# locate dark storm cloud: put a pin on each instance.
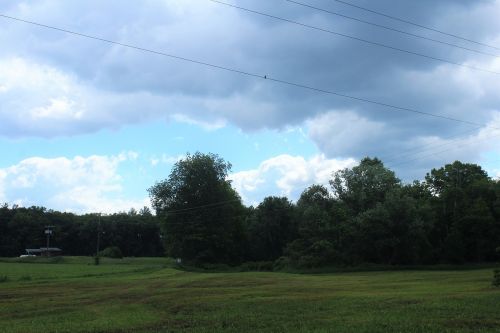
(119, 80)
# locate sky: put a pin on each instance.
(89, 126)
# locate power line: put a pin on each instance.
(391, 29)
(242, 72)
(440, 152)
(394, 48)
(415, 24)
(392, 157)
(210, 205)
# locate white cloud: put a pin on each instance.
(81, 184)
(207, 125)
(64, 85)
(165, 159)
(344, 133)
(57, 109)
(285, 175)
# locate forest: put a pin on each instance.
(365, 215)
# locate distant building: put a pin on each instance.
(44, 251)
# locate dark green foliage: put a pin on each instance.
(282, 263)
(257, 266)
(111, 252)
(270, 228)
(496, 278)
(466, 226)
(318, 219)
(201, 214)
(367, 217)
(135, 234)
(365, 185)
(3, 278)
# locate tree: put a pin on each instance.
(465, 203)
(318, 231)
(271, 228)
(365, 185)
(393, 232)
(199, 210)
(453, 176)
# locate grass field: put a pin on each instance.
(148, 295)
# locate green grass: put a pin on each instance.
(147, 295)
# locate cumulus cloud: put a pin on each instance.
(428, 152)
(344, 133)
(285, 175)
(165, 159)
(80, 184)
(56, 84)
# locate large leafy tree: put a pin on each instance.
(271, 228)
(453, 176)
(200, 211)
(365, 185)
(318, 229)
(393, 232)
(465, 205)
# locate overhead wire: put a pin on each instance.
(366, 41)
(298, 85)
(432, 145)
(441, 151)
(392, 17)
(391, 28)
(249, 74)
(210, 205)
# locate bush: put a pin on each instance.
(306, 254)
(214, 267)
(281, 263)
(3, 278)
(111, 252)
(257, 266)
(496, 278)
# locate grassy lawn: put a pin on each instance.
(145, 295)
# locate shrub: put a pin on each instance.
(496, 278)
(25, 278)
(257, 266)
(3, 278)
(281, 263)
(214, 267)
(112, 252)
(306, 254)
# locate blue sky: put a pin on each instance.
(87, 126)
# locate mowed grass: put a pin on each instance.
(145, 295)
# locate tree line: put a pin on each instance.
(135, 233)
(365, 215)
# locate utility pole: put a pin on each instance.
(457, 184)
(48, 232)
(98, 240)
